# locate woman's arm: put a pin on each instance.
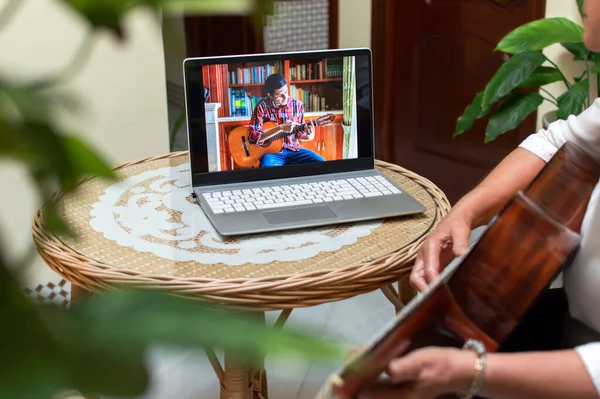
(544, 375)
(434, 371)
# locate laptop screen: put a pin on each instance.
(278, 115)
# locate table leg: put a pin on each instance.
(236, 379)
(406, 290)
(240, 380)
(392, 295)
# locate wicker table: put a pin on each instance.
(147, 230)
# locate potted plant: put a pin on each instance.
(517, 88)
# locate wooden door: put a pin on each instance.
(430, 58)
(333, 142)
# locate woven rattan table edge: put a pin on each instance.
(273, 292)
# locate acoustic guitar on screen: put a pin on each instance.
(245, 154)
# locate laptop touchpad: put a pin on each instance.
(299, 214)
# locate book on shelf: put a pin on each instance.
(313, 102)
(240, 103)
(329, 68)
(254, 74)
(243, 104)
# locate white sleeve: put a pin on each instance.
(590, 355)
(582, 130)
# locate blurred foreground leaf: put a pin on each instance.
(130, 316)
(110, 13)
(99, 345)
(55, 160)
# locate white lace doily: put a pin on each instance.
(153, 212)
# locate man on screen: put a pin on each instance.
(287, 112)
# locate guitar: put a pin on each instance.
(483, 294)
(245, 154)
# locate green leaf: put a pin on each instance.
(53, 220)
(580, 52)
(31, 365)
(107, 13)
(472, 112)
(540, 77)
(595, 68)
(128, 316)
(19, 105)
(208, 7)
(511, 113)
(85, 160)
(539, 34)
(510, 75)
(111, 13)
(573, 100)
(98, 345)
(580, 7)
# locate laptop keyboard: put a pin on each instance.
(281, 196)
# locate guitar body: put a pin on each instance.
(484, 294)
(245, 154)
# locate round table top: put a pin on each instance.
(146, 230)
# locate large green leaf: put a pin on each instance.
(595, 68)
(580, 52)
(111, 13)
(85, 160)
(472, 112)
(511, 113)
(207, 7)
(510, 75)
(143, 316)
(20, 105)
(539, 34)
(573, 100)
(31, 365)
(540, 77)
(98, 346)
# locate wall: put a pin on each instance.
(564, 59)
(354, 23)
(121, 91)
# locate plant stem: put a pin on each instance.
(587, 71)
(176, 126)
(8, 11)
(79, 59)
(548, 93)
(559, 71)
(549, 100)
(598, 85)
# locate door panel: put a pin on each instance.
(333, 142)
(315, 143)
(430, 58)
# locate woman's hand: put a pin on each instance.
(425, 373)
(449, 239)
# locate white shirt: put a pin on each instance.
(581, 280)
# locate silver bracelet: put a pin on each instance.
(479, 348)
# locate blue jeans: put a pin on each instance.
(288, 157)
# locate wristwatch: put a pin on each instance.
(479, 348)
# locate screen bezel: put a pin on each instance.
(197, 143)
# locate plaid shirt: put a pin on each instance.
(265, 111)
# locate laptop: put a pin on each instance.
(283, 141)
